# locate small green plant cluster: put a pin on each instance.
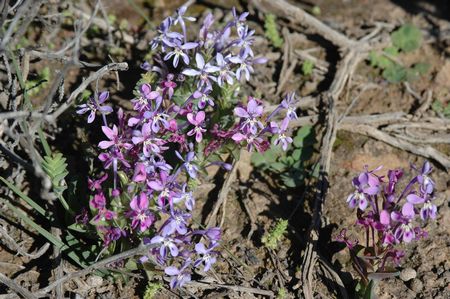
(270, 25)
(40, 81)
(307, 67)
(152, 290)
(440, 108)
(290, 166)
(271, 238)
(406, 39)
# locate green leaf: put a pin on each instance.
(307, 67)
(302, 133)
(395, 74)
(27, 199)
(278, 166)
(407, 38)
(296, 154)
(370, 290)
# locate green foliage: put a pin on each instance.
(270, 26)
(39, 82)
(271, 238)
(56, 168)
(407, 38)
(290, 166)
(152, 290)
(307, 67)
(282, 293)
(440, 108)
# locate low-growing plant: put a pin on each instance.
(289, 164)
(271, 28)
(307, 67)
(187, 115)
(390, 219)
(440, 108)
(274, 235)
(405, 39)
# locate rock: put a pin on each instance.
(94, 281)
(416, 285)
(408, 274)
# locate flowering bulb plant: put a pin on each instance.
(390, 218)
(186, 116)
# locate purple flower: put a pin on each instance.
(176, 222)
(359, 199)
(249, 116)
(97, 184)
(180, 276)
(114, 139)
(225, 75)
(157, 120)
(150, 144)
(239, 20)
(282, 138)
(197, 121)
(185, 196)
(289, 103)
(245, 64)
(190, 168)
(180, 19)
(245, 39)
(204, 98)
(112, 234)
(203, 71)
(207, 255)
(404, 232)
(140, 213)
(98, 202)
(429, 210)
(165, 37)
(427, 184)
(94, 106)
(179, 51)
(166, 243)
(113, 158)
(252, 141)
(146, 92)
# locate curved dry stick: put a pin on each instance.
(16, 287)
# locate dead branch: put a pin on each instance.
(14, 286)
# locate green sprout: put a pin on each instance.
(270, 25)
(271, 238)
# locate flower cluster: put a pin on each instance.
(389, 216)
(182, 122)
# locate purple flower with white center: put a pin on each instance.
(180, 19)
(253, 141)
(94, 106)
(140, 214)
(197, 121)
(249, 116)
(225, 75)
(150, 144)
(190, 168)
(289, 103)
(114, 139)
(185, 196)
(152, 165)
(245, 40)
(165, 37)
(357, 198)
(428, 210)
(97, 184)
(405, 232)
(157, 120)
(142, 102)
(239, 20)
(162, 185)
(180, 276)
(282, 138)
(204, 98)
(168, 86)
(179, 51)
(427, 184)
(113, 158)
(203, 71)
(176, 222)
(246, 63)
(166, 243)
(207, 255)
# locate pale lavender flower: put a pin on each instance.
(427, 184)
(93, 106)
(203, 71)
(114, 139)
(207, 255)
(165, 37)
(185, 196)
(225, 75)
(288, 103)
(180, 17)
(151, 144)
(179, 51)
(142, 103)
(176, 222)
(249, 116)
(190, 168)
(245, 39)
(429, 210)
(246, 63)
(204, 97)
(282, 138)
(180, 276)
(166, 243)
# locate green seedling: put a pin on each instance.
(274, 236)
(271, 28)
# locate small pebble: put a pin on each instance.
(94, 281)
(408, 274)
(416, 285)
